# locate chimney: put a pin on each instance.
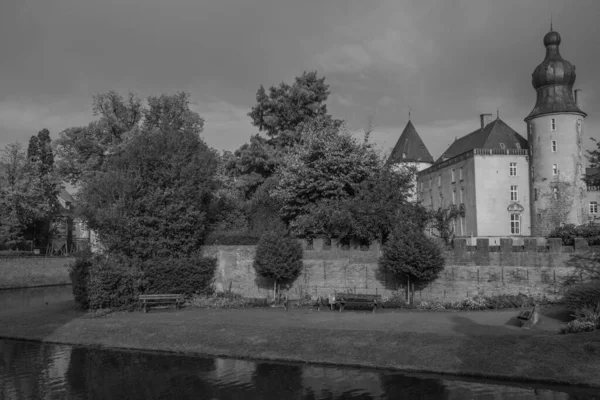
(578, 98)
(485, 119)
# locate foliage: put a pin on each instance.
(442, 222)
(186, 276)
(225, 300)
(593, 157)
(278, 257)
(39, 152)
(578, 326)
(380, 203)
(589, 314)
(151, 198)
(286, 107)
(229, 238)
(84, 150)
(325, 166)
(568, 233)
(582, 295)
(113, 284)
(79, 272)
(411, 254)
(557, 197)
(23, 193)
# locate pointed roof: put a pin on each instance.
(495, 135)
(409, 148)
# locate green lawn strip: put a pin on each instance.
(544, 357)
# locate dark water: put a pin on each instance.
(30, 370)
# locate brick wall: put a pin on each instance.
(530, 269)
(20, 272)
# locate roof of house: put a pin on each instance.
(409, 148)
(495, 135)
(65, 196)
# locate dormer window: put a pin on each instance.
(518, 146)
(552, 124)
(502, 146)
(403, 155)
(68, 205)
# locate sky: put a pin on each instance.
(446, 60)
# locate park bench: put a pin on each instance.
(342, 300)
(160, 299)
(528, 318)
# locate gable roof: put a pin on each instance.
(409, 148)
(491, 136)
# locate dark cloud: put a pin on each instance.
(448, 60)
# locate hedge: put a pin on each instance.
(231, 239)
(186, 276)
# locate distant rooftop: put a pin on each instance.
(409, 148)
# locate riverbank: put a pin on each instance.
(478, 344)
(34, 271)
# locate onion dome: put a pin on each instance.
(553, 80)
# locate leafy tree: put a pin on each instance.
(286, 107)
(23, 199)
(39, 152)
(151, 198)
(83, 150)
(279, 258)
(411, 254)
(593, 157)
(326, 165)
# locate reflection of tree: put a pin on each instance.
(105, 374)
(399, 386)
(277, 381)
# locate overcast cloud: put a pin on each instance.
(448, 60)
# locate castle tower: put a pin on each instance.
(554, 132)
(410, 151)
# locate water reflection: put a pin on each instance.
(31, 370)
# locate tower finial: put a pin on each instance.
(551, 22)
(409, 113)
(497, 113)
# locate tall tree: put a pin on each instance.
(286, 107)
(151, 198)
(22, 196)
(39, 152)
(171, 113)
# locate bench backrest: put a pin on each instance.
(357, 296)
(160, 296)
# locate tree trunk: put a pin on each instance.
(412, 294)
(408, 289)
(275, 290)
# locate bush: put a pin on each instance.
(578, 326)
(231, 239)
(278, 257)
(589, 314)
(186, 276)
(582, 295)
(225, 301)
(569, 232)
(114, 285)
(79, 272)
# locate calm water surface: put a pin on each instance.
(30, 370)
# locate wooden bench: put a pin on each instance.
(528, 318)
(160, 299)
(342, 300)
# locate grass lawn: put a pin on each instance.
(485, 344)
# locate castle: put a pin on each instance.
(496, 183)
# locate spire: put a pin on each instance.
(551, 22)
(497, 113)
(409, 113)
(410, 148)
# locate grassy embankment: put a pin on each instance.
(21, 272)
(480, 344)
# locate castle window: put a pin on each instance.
(535, 194)
(554, 169)
(553, 124)
(515, 224)
(554, 146)
(579, 126)
(454, 196)
(593, 207)
(462, 195)
(514, 193)
(453, 176)
(439, 180)
(555, 193)
(502, 146)
(513, 169)
(460, 173)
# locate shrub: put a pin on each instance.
(411, 254)
(225, 300)
(435, 305)
(475, 303)
(589, 314)
(578, 326)
(79, 271)
(582, 295)
(567, 233)
(278, 257)
(231, 239)
(186, 276)
(114, 284)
